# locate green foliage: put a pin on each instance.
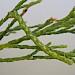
(51, 26)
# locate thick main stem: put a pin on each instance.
(15, 15)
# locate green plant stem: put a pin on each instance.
(28, 5)
(60, 32)
(3, 19)
(16, 41)
(6, 17)
(4, 33)
(28, 57)
(17, 46)
(73, 51)
(65, 25)
(70, 15)
(48, 30)
(24, 58)
(67, 54)
(11, 24)
(38, 27)
(48, 33)
(31, 57)
(15, 15)
(8, 45)
(68, 21)
(55, 26)
(48, 22)
(7, 29)
(61, 23)
(20, 3)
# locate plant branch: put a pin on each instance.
(15, 15)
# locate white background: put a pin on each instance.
(36, 15)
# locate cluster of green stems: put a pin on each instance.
(51, 26)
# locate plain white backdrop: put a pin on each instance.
(36, 15)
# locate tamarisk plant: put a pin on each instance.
(49, 27)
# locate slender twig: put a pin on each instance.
(20, 3)
(8, 45)
(15, 15)
(65, 25)
(24, 58)
(47, 30)
(38, 27)
(11, 24)
(28, 57)
(6, 17)
(67, 54)
(28, 5)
